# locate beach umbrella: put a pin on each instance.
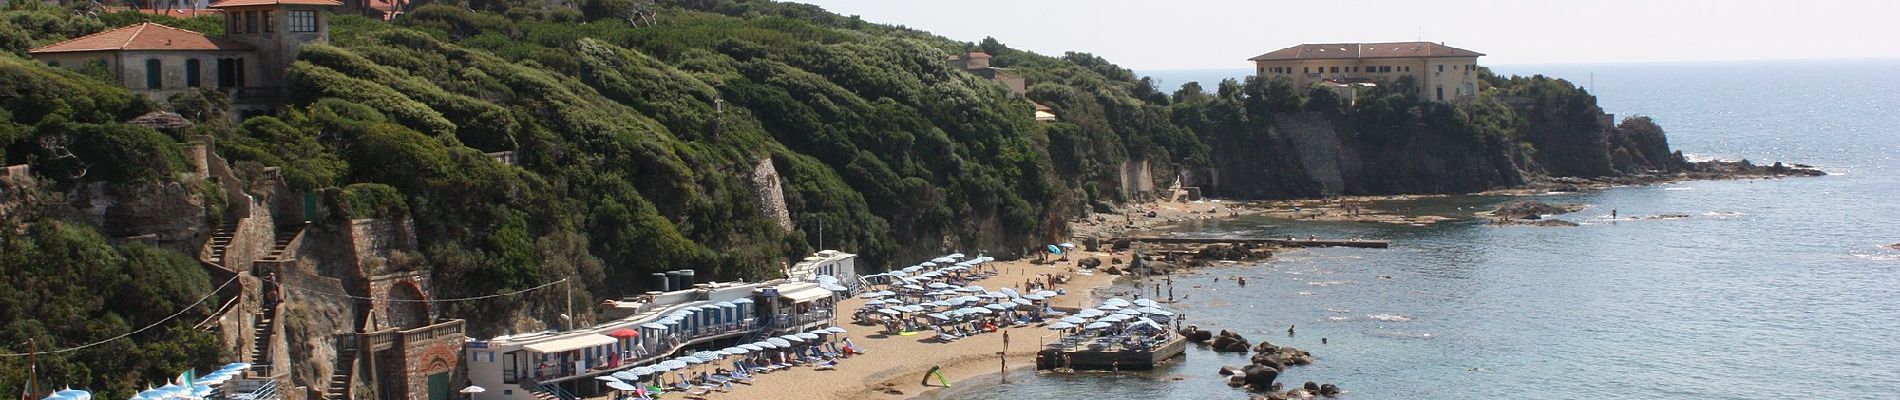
(997, 307)
(1164, 313)
(1033, 296)
(835, 330)
(1074, 319)
(627, 376)
(654, 325)
(968, 298)
(1089, 313)
(472, 389)
(673, 364)
(1047, 293)
(1129, 312)
(1109, 307)
(980, 310)
(624, 333)
(1022, 301)
(927, 264)
(871, 295)
(751, 347)
(608, 378)
(709, 356)
(890, 312)
(1147, 303)
(1117, 302)
(621, 386)
(1061, 325)
(886, 293)
(1149, 310)
(238, 366)
(642, 371)
(1115, 318)
(765, 344)
(808, 336)
(1054, 250)
(833, 287)
(913, 308)
(995, 295)
(943, 260)
(690, 360)
(973, 288)
(913, 268)
(938, 285)
(780, 342)
(939, 315)
(1097, 325)
(1010, 291)
(913, 287)
(791, 338)
(898, 273)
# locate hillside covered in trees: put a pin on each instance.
(636, 143)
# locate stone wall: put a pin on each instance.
(374, 241)
(403, 313)
(1137, 178)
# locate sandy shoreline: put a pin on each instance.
(899, 362)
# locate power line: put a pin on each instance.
(450, 300)
(175, 315)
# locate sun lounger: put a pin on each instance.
(827, 366)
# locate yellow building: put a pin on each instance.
(1441, 73)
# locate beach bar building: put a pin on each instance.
(654, 327)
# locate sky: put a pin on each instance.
(1200, 34)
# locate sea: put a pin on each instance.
(1774, 288)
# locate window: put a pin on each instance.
(153, 76)
(227, 72)
(1441, 67)
(1306, 69)
(250, 22)
(269, 23)
(191, 72)
(1441, 90)
(303, 21)
(1335, 70)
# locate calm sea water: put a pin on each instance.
(1770, 288)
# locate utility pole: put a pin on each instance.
(570, 304)
(33, 369)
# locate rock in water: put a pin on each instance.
(1895, 246)
(1230, 342)
(1329, 390)
(1532, 209)
(1260, 377)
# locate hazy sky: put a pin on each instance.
(1196, 34)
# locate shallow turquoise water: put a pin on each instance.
(1770, 288)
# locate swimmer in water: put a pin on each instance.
(1289, 330)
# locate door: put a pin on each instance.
(439, 386)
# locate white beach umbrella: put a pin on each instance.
(1047, 293)
(1023, 301)
(1147, 303)
(834, 329)
(751, 347)
(1117, 302)
(1074, 319)
(780, 342)
(1089, 313)
(808, 336)
(472, 389)
(1109, 307)
(1061, 325)
(1097, 325)
(627, 375)
(607, 378)
(621, 386)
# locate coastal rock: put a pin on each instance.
(1297, 394)
(1532, 209)
(1122, 244)
(1329, 390)
(1090, 262)
(1196, 335)
(1260, 377)
(1229, 342)
(1113, 271)
(1310, 386)
(1229, 370)
(1895, 246)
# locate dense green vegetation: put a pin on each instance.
(637, 143)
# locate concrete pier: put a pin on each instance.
(1295, 242)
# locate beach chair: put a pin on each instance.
(827, 366)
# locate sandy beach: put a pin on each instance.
(897, 363)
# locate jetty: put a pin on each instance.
(1288, 242)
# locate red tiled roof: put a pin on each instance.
(241, 3)
(143, 36)
(1365, 50)
(979, 54)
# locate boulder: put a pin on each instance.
(1229, 370)
(1260, 377)
(1230, 342)
(1196, 335)
(1310, 386)
(1329, 390)
(1297, 394)
(1113, 271)
(1532, 209)
(1122, 244)
(1090, 262)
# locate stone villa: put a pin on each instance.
(1442, 73)
(247, 63)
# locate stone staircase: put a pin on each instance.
(339, 388)
(260, 347)
(220, 242)
(278, 250)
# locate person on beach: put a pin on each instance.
(1289, 330)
